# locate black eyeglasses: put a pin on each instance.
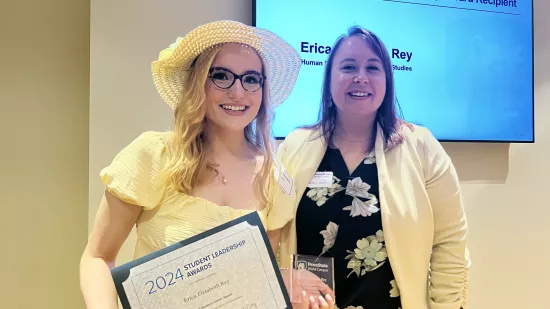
(224, 79)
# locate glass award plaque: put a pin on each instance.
(313, 274)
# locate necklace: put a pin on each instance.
(222, 176)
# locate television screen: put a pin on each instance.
(463, 68)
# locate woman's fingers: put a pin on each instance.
(326, 290)
(313, 303)
(305, 300)
(330, 302)
(320, 303)
(311, 283)
(308, 302)
(325, 302)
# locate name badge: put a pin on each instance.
(285, 181)
(321, 180)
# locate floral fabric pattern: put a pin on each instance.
(329, 236)
(321, 195)
(359, 189)
(369, 254)
(343, 220)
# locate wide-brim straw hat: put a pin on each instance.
(282, 61)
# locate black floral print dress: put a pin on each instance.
(344, 222)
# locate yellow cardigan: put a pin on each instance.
(425, 226)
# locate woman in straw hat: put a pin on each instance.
(216, 164)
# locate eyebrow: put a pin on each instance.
(252, 72)
(245, 72)
(353, 60)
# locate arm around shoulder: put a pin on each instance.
(450, 261)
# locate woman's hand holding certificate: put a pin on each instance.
(231, 266)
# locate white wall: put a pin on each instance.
(505, 190)
(503, 185)
(44, 100)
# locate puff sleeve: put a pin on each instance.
(136, 174)
(281, 207)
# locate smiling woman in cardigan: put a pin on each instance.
(377, 194)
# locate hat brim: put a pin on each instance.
(282, 61)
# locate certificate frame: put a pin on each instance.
(121, 274)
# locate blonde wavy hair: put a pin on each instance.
(188, 164)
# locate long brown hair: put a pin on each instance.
(387, 116)
(188, 162)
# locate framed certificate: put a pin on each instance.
(230, 266)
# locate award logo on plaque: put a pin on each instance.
(322, 267)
